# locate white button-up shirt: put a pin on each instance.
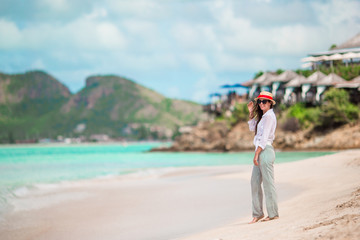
(266, 129)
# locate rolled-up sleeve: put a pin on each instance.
(268, 124)
(252, 124)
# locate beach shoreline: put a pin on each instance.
(193, 197)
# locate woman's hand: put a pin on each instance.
(256, 157)
(256, 160)
(250, 106)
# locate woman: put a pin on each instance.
(263, 122)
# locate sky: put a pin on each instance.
(180, 48)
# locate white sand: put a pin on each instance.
(327, 208)
(185, 203)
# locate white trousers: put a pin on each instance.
(264, 173)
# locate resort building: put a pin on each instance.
(330, 80)
(308, 86)
(290, 87)
(348, 53)
(353, 87)
(259, 84)
(278, 84)
(293, 90)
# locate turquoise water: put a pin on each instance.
(26, 166)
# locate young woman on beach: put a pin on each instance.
(262, 120)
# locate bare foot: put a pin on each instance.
(269, 219)
(256, 219)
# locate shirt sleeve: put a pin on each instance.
(268, 124)
(252, 124)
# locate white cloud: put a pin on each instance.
(197, 37)
(10, 35)
(239, 35)
(231, 62)
(139, 9)
(108, 36)
(341, 19)
(83, 33)
(97, 13)
(204, 87)
(57, 5)
(146, 62)
(146, 34)
(38, 64)
(197, 61)
(177, 40)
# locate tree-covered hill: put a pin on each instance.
(35, 105)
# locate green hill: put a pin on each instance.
(35, 105)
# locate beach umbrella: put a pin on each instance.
(238, 85)
(215, 95)
(349, 55)
(336, 56)
(309, 59)
(357, 55)
(306, 65)
(323, 58)
(226, 86)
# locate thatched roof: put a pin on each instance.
(353, 42)
(314, 78)
(286, 76)
(355, 83)
(296, 82)
(331, 80)
(266, 77)
(351, 45)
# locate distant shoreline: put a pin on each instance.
(82, 143)
(167, 149)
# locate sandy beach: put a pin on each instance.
(328, 207)
(319, 198)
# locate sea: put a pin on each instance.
(24, 168)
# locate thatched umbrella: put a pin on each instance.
(267, 76)
(306, 65)
(281, 79)
(351, 55)
(331, 80)
(309, 59)
(314, 78)
(336, 56)
(286, 76)
(323, 58)
(296, 82)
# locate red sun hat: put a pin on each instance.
(266, 95)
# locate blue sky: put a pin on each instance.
(182, 49)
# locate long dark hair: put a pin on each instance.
(258, 113)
